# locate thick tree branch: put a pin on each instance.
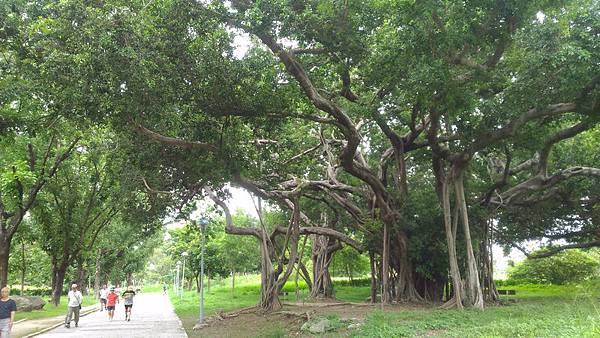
(486, 139)
(554, 250)
(172, 141)
(325, 232)
(561, 135)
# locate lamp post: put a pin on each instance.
(203, 222)
(183, 254)
(177, 278)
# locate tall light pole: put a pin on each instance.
(203, 222)
(183, 254)
(177, 278)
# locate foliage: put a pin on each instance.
(349, 263)
(565, 267)
(222, 253)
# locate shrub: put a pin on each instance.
(565, 267)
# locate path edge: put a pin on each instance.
(44, 330)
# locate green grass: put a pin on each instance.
(538, 311)
(355, 294)
(247, 293)
(50, 310)
(219, 298)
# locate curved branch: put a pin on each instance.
(559, 136)
(486, 139)
(324, 232)
(540, 183)
(171, 141)
(554, 250)
(230, 228)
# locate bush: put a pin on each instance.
(354, 282)
(565, 267)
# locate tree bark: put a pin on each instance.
(385, 265)
(4, 253)
(473, 287)
(457, 286)
(97, 274)
(58, 279)
(487, 274)
(406, 290)
(81, 276)
(373, 276)
(323, 250)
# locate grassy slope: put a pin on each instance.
(50, 310)
(539, 311)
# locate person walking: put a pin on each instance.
(111, 300)
(164, 289)
(8, 307)
(128, 301)
(74, 300)
(103, 294)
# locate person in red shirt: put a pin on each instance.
(111, 299)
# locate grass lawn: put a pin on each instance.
(50, 310)
(536, 311)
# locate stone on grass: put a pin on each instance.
(37, 303)
(317, 325)
(353, 326)
(23, 304)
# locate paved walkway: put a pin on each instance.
(152, 316)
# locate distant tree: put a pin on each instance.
(567, 266)
(350, 263)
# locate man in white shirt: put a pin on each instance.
(74, 300)
(103, 294)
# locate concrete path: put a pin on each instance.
(152, 316)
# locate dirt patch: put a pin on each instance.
(287, 322)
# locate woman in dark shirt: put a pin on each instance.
(8, 307)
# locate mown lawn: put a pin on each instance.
(50, 310)
(536, 311)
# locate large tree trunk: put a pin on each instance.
(373, 276)
(81, 275)
(58, 279)
(269, 293)
(473, 287)
(457, 285)
(130, 278)
(323, 250)
(385, 266)
(4, 251)
(406, 290)
(487, 259)
(97, 274)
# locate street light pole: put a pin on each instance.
(183, 254)
(177, 278)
